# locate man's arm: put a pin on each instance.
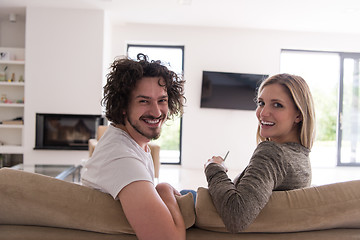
(152, 216)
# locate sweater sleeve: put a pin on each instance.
(238, 205)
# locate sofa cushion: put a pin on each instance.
(34, 199)
(315, 208)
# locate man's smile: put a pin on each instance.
(153, 122)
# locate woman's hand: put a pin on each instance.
(218, 160)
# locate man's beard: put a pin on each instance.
(151, 136)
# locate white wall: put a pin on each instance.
(12, 33)
(63, 72)
(208, 132)
(65, 64)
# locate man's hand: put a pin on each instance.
(164, 189)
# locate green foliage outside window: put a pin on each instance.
(170, 135)
(326, 115)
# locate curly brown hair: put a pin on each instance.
(123, 76)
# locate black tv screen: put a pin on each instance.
(229, 90)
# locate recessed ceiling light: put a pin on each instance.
(12, 17)
(351, 10)
(184, 2)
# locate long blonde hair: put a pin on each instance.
(300, 93)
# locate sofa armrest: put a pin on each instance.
(155, 153)
(92, 145)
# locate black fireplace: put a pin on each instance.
(65, 131)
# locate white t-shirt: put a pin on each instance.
(116, 162)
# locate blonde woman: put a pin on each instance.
(285, 135)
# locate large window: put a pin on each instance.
(173, 58)
(333, 78)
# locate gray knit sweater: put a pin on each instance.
(273, 166)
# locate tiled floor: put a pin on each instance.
(322, 157)
(184, 178)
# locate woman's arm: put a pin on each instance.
(239, 205)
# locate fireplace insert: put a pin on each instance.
(65, 131)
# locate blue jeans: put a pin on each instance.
(185, 191)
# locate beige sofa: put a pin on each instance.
(34, 206)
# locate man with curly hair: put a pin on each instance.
(139, 97)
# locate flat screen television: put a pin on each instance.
(226, 90)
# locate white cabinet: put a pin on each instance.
(12, 102)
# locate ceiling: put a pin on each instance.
(335, 16)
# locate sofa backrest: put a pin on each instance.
(38, 200)
(34, 199)
(314, 208)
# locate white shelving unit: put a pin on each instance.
(8, 149)
(11, 126)
(11, 83)
(13, 62)
(12, 102)
(11, 105)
